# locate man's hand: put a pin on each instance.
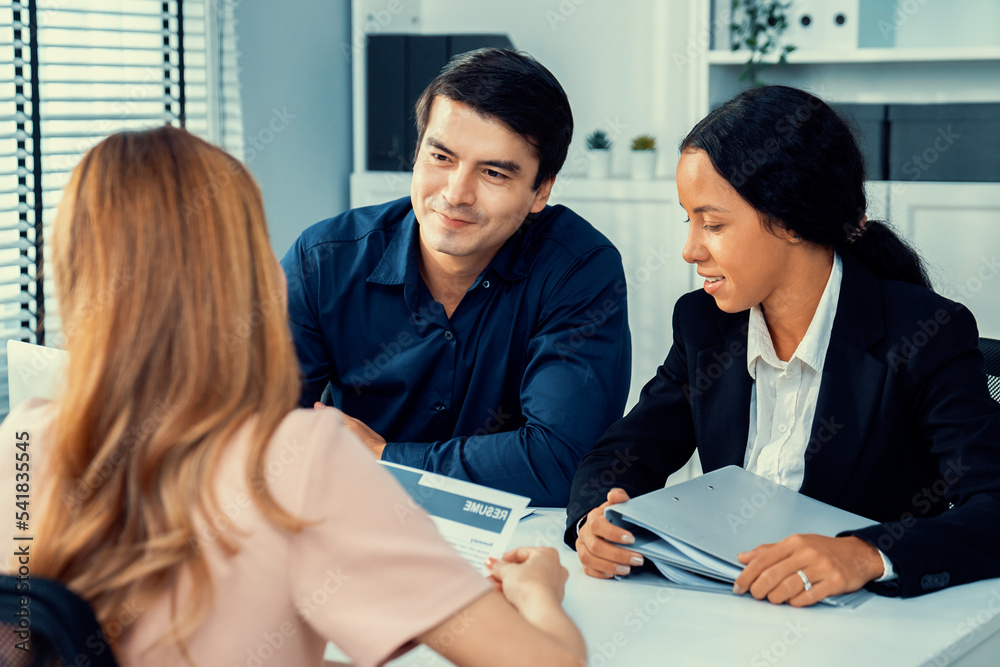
(599, 540)
(833, 565)
(369, 438)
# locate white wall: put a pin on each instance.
(612, 58)
(296, 88)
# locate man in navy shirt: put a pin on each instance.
(470, 329)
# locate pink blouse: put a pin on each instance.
(369, 575)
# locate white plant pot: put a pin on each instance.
(599, 165)
(643, 165)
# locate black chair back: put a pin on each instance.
(44, 624)
(991, 353)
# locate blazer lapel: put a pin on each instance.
(849, 391)
(723, 413)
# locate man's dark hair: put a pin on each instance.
(514, 89)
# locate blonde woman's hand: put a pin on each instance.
(530, 577)
(529, 627)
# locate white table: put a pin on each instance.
(630, 624)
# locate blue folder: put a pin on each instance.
(692, 531)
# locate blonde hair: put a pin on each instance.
(174, 311)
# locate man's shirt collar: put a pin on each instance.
(400, 258)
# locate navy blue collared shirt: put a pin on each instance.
(510, 391)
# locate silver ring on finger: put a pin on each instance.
(805, 579)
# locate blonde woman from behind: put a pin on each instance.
(176, 488)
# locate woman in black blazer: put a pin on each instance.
(887, 413)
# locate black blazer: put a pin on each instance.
(904, 427)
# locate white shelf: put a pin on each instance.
(569, 187)
(866, 56)
(372, 187)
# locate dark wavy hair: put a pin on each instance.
(514, 89)
(792, 158)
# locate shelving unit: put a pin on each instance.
(984, 54)
(956, 226)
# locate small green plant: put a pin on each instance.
(644, 142)
(758, 28)
(598, 141)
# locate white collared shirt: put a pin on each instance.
(784, 393)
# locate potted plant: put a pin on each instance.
(598, 154)
(643, 157)
(757, 26)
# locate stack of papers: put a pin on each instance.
(693, 531)
(477, 521)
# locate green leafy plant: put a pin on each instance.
(598, 141)
(757, 26)
(644, 142)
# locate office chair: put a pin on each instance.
(63, 628)
(991, 353)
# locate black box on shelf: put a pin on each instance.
(944, 142)
(399, 67)
(869, 124)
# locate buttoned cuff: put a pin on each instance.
(890, 573)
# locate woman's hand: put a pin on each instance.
(833, 565)
(527, 576)
(597, 544)
(528, 628)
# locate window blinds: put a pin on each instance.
(72, 72)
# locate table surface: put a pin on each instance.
(627, 623)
